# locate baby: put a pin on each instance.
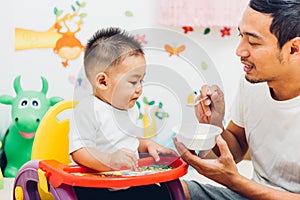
(102, 127)
(101, 134)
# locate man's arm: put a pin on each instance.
(223, 170)
(236, 141)
(254, 190)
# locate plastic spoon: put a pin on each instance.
(197, 102)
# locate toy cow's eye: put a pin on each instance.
(35, 103)
(23, 103)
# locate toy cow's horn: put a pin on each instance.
(17, 85)
(45, 86)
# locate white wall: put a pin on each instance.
(38, 15)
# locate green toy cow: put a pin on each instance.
(27, 111)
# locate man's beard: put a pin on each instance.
(253, 81)
(260, 80)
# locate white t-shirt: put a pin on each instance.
(273, 134)
(98, 125)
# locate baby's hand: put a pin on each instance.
(154, 149)
(123, 158)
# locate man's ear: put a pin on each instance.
(101, 80)
(294, 50)
(295, 46)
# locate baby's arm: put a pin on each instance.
(154, 149)
(101, 161)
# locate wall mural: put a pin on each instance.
(224, 31)
(60, 36)
(149, 115)
(176, 65)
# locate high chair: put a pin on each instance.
(49, 175)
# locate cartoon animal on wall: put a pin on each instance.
(60, 36)
(68, 46)
(27, 111)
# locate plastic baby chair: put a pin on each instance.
(49, 174)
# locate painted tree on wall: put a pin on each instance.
(60, 37)
(150, 114)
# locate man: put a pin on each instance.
(266, 113)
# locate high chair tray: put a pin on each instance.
(76, 175)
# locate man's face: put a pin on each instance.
(126, 82)
(258, 48)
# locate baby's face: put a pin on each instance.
(125, 85)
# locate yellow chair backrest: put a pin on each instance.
(51, 140)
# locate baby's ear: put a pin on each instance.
(101, 80)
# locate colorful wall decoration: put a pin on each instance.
(49, 38)
(190, 14)
(60, 37)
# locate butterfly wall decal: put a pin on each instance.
(174, 50)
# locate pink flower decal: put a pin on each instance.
(141, 39)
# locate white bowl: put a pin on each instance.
(197, 136)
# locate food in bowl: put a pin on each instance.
(197, 136)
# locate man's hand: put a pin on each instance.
(222, 170)
(211, 110)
